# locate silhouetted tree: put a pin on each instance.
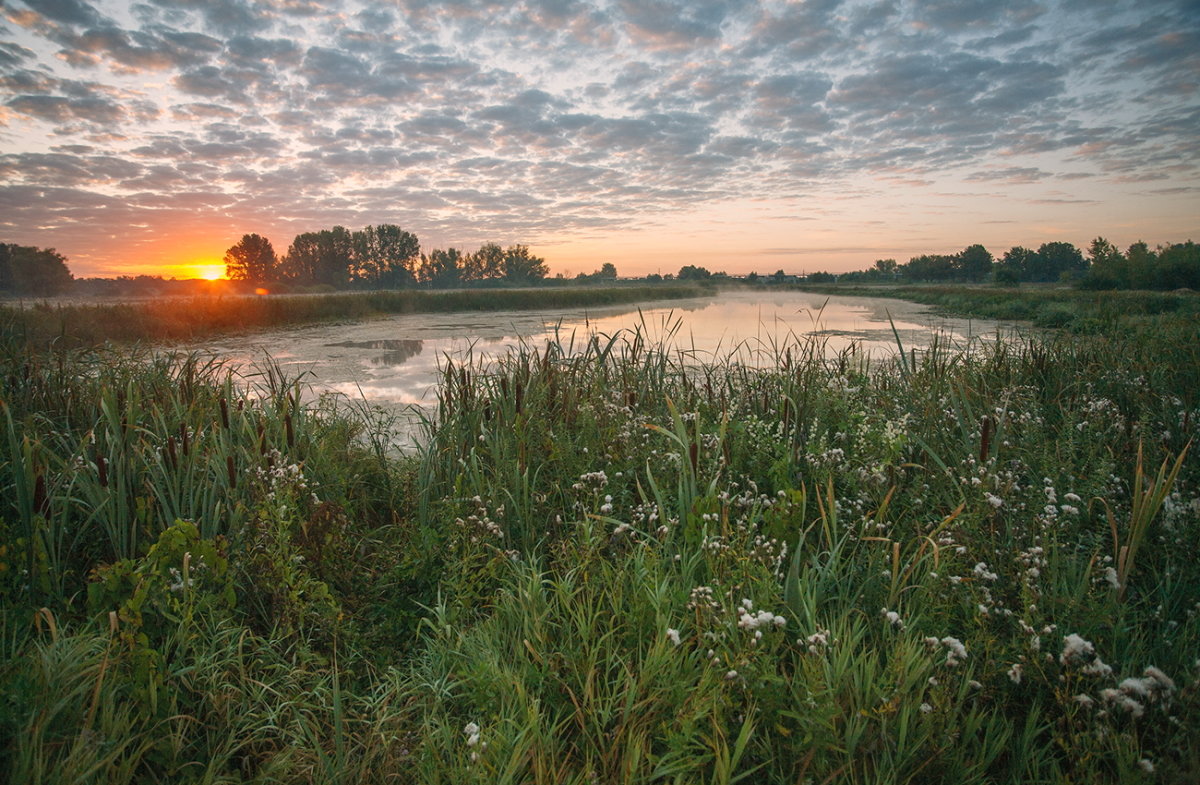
(520, 266)
(1016, 265)
(320, 257)
(885, 268)
(384, 256)
(1106, 267)
(1057, 261)
(251, 259)
(693, 273)
(486, 264)
(26, 270)
(929, 267)
(1140, 261)
(973, 263)
(1178, 266)
(442, 269)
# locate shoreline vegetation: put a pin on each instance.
(1047, 306)
(957, 565)
(189, 318)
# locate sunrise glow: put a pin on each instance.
(750, 136)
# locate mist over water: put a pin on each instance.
(394, 362)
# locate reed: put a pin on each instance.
(609, 561)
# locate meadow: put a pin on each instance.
(972, 563)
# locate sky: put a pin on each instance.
(148, 137)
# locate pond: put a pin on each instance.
(394, 362)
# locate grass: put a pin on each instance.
(1085, 312)
(187, 318)
(609, 564)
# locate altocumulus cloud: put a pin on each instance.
(532, 121)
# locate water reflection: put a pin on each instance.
(362, 361)
(395, 351)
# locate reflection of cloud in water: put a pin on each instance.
(396, 351)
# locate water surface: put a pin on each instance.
(393, 362)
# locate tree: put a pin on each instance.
(1178, 266)
(1141, 262)
(886, 268)
(607, 270)
(384, 256)
(1058, 261)
(26, 270)
(1106, 267)
(520, 266)
(442, 269)
(1016, 265)
(320, 257)
(693, 273)
(486, 264)
(929, 267)
(973, 263)
(252, 259)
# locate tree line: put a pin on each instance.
(29, 271)
(1102, 266)
(377, 257)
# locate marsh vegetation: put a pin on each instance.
(959, 564)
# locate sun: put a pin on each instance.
(209, 272)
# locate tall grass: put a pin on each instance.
(611, 562)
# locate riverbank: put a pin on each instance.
(191, 318)
(1059, 307)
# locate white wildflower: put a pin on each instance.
(1076, 648)
(957, 651)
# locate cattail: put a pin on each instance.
(985, 438)
(231, 471)
(172, 461)
(102, 470)
(694, 456)
(183, 438)
(290, 433)
(224, 414)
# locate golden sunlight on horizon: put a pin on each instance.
(201, 268)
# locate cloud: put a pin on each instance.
(72, 12)
(539, 118)
(58, 109)
(1010, 174)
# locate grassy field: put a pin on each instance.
(189, 318)
(975, 565)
